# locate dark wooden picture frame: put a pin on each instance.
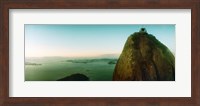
(5, 5)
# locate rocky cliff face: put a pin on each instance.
(144, 58)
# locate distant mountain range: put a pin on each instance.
(62, 57)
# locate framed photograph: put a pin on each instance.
(100, 52)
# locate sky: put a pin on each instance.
(87, 40)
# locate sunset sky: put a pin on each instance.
(87, 40)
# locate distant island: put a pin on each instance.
(112, 62)
(35, 64)
(85, 61)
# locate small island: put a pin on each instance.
(112, 62)
(34, 64)
(85, 61)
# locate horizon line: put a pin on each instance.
(74, 56)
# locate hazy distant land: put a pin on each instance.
(85, 61)
(98, 68)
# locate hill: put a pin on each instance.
(144, 58)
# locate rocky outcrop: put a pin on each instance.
(75, 77)
(144, 58)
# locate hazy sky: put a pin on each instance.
(87, 40)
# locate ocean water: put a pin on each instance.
(52, 69)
